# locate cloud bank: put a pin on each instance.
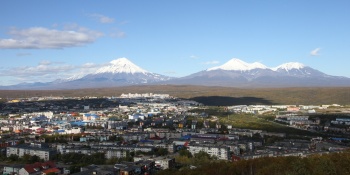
(44, 38)
(45, 71)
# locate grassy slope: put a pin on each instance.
(335, 163)
(313, 96)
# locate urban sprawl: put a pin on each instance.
(145, 133)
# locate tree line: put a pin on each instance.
(327, 164)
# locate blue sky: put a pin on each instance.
(45, 40)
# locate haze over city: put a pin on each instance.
(43, 41)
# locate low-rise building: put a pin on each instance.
(12, 169)
(221, 152)
(39, 168)
(38, 149)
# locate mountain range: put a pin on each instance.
(234, 73)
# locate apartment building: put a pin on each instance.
(220, 152)
(39, 149)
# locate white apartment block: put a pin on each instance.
(115, 154)
(221, 153)
(33, 149)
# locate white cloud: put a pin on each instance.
(194, 57)
(81, 71)
(43, 38)
(45, 71)
(88, 65)
(211, 62)
(45, 62)
(42, 69)
(102, 19)
(118, 34)
(315, 52)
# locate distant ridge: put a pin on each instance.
(119, 72)
(234, 73)
(237, 73)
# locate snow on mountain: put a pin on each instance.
(75, 77)
(121, 72)
(289, 66)
(235, 73)
(71, 78)
(121, 65)
(238, 65)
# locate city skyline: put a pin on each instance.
(45, 41)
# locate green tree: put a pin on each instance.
(185, 152)
(26, 158)
(299, 166)
(34, 159)
(161, 151)
(21, 142)
(52, 173)
(74, 169)
(13, 158)
(201, 157)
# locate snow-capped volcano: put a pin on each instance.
(289, 66)
(121, 65)
(259, 69)
(118, 72)
(121, 72)
(238, 65)
(238, 73)
(295, 69)
(234, 73)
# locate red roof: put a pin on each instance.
(155, 138)
(51, 170)
(186, 144)
(38, 166)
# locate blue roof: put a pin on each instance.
(78, 123)
(338, 139)
(60, 130)
(91, 115)
(145, 141)
(186, 137)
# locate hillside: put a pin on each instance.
(209, 95)
(334, 163)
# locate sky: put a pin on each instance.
(41, 41)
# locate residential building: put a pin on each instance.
(39, 168)
(12, 169)
(220, 152)
(39, 149)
